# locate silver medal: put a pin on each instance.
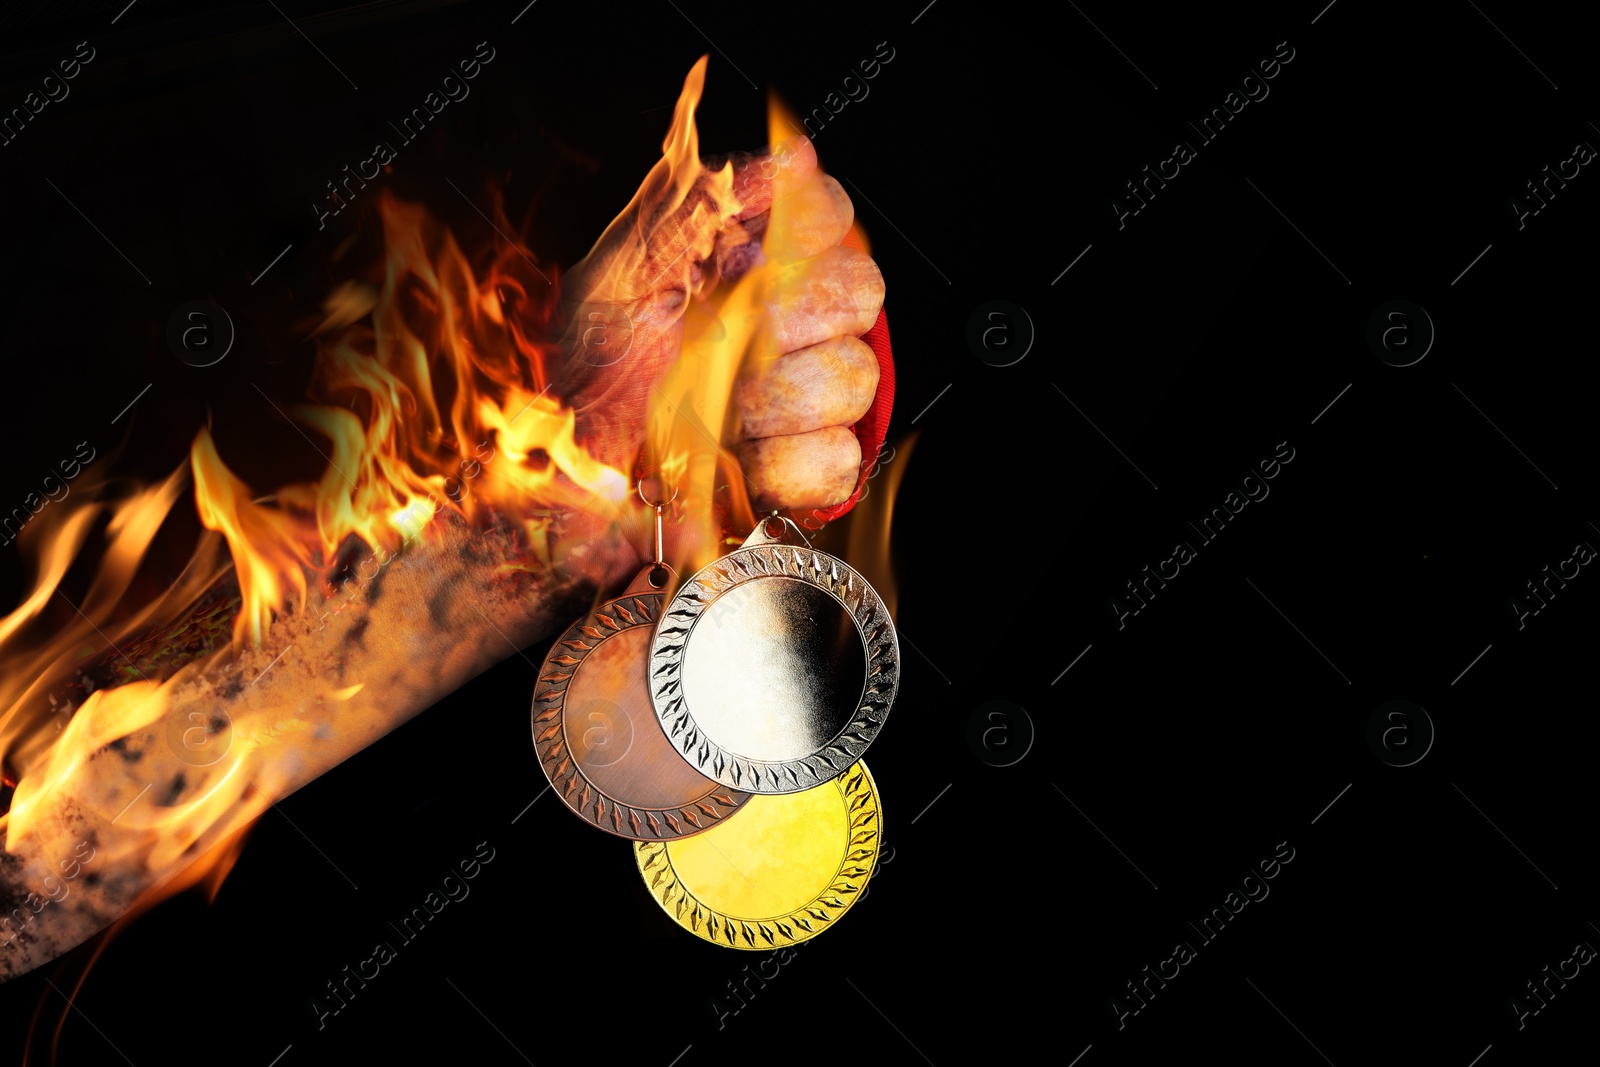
(774, 668)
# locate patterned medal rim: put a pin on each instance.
(575, 788)
(753, 563)
(849, 882)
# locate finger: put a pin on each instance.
(835, 294)
(807, 223)
(739, 248)
(651, 248)
(806, 470)
(826, 384)
(659, 245)
(762, 178)
(678, 246)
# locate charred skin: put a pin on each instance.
(444, 610)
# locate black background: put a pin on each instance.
(1175, 752)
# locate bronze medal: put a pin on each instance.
(781, 871)
(597, 736)
(775, 667)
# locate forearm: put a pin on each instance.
(327, 682)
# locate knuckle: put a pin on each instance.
(871, 277)
(843, 205)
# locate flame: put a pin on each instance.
(872, 523)
(45, 644)
(268, 555)
(107, 715)
(430, 393)
(689, 409)
(723, 333)
(445, 408)
(643, 228)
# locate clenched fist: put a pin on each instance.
(807, 377)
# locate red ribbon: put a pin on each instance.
(874, 425)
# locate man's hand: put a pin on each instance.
(623, 307)
(811, 377)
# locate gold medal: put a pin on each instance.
(781, 871)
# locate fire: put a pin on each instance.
(721, 332)
(872, 523)
(43, 643)
(444, 405)
(268, 555)
(432, 392)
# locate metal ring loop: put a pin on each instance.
(651, 503)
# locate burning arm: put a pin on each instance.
(147, 781)
(476, 499)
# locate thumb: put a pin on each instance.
(657, 246)
(675, 249)
(622, 302)
(762, 178)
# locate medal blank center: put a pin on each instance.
(777, 855)
(612, 732)
(774, 669)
